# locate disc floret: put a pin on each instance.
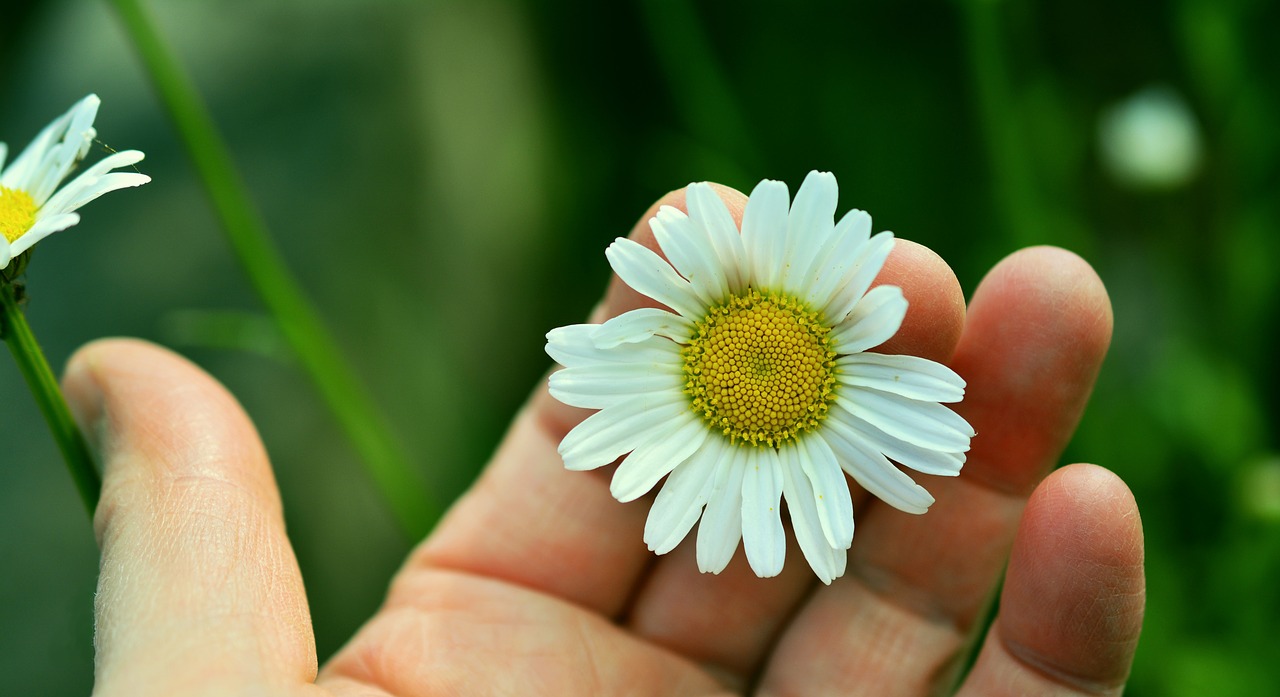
(760, 368)
(17, 213)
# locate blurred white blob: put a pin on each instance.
(1151, 140)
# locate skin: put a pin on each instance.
(537, 581)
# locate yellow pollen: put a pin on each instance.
(760, 368)
(17, 213)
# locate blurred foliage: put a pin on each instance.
(443, 176)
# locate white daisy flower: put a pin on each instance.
(758, 385)
(31, 205)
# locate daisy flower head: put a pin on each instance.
(32, 207)
(756, 384)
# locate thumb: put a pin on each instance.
(199, 591)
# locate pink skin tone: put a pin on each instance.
(537, 581)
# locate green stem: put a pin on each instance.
(279, 291)
(44, 386)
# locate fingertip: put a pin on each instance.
(1087, 508)
(1059, 279)
(111, 382)
(935, 311)
(151, 415)
(1088, 292)
(85, 364)
(1081, 490)
(1037, 330)
(1074, 597)
(83, 378)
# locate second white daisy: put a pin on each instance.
(32, 207)
(758, 385)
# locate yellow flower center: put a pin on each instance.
(17, 213)
(760, 368)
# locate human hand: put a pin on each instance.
(537, 581)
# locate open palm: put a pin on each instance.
(537, 581)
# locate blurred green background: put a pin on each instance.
(444, 176)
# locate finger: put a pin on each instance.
(1072, 605)
(530, 522)
(1037, 330)
(1036, 335)
(1031, 357)
(197, 574)
(685, 611)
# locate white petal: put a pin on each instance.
(611, 433)
(855, 225)
(842, 251)
(873, 472)
(43, 227)
(603, 385)
(927, 424)
(104, 185)
(20, 174)
(920, 459)
(859, 276)
(830, 490)
(908, 376)
(31, 166)
(654, 459)
(97, 181)
(809, 225)
(116, 160)
(640, 324)
(764, 230)
(762, 534)
(874, 320)
(679, 503)
(574, 345)
(721, 526)
(4, 152)
(826, 561)
(73, 146)
(6, 253)
(80, 132)
(646, 272)
(707, 209)
(691, 252)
